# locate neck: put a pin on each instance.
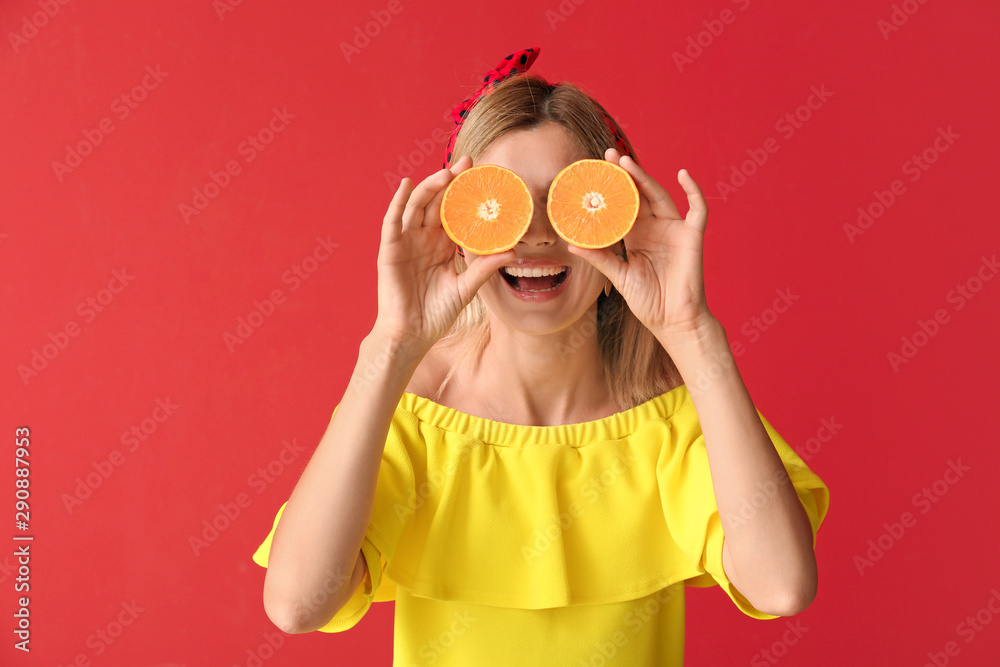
(544, 379)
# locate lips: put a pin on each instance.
(535, 279)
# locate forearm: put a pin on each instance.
(768, 552)
(319, 535)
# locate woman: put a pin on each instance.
(533, 468)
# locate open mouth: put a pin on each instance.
(535, 280)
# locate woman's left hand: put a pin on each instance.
(662, 281)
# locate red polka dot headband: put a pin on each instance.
(516, 62)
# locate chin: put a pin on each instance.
(537, 317)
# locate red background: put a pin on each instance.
(356, 119)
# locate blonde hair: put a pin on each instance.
(636, 366)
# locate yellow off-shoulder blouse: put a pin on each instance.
(507, 544)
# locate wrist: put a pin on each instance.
(702, 356)
(384, 349)
(698, 339)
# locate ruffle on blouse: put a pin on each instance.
(532, 517)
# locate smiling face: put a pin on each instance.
(537, 155)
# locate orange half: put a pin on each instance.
(593, 203)
(486, 209)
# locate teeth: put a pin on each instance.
(533, 273)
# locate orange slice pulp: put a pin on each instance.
(593, 203)
(486, 209)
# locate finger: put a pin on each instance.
(697, 215)
(392, 223)
(612, 155)
(604, 260)
(432, 212)
(413, 216)
(480, 270)
(461, 164)
(659, 199)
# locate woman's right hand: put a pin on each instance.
(420, 294)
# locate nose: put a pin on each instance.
(540, 232)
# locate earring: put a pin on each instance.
(607, 287)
